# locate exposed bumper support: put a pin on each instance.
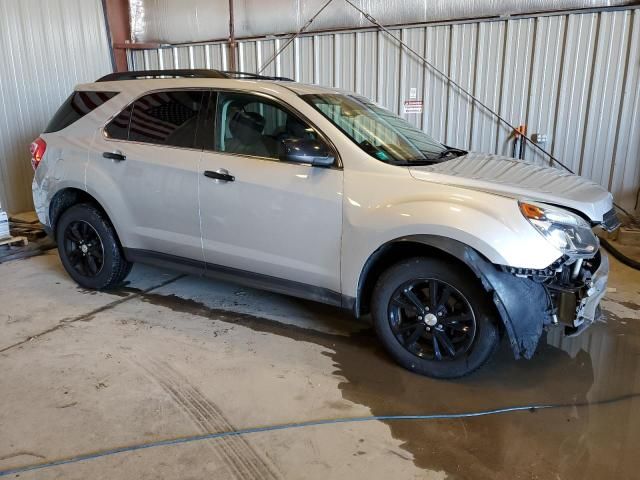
(587, 308)
(588, 311)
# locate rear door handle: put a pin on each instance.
(221, 174)
(118, 156)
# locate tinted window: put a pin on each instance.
(164, 118)
(118, 128)
(252, 125)
(75, 107)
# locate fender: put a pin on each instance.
(523, 321)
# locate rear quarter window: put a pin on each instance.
(75, 107)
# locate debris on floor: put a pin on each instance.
(24, 237)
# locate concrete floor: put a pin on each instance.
(172, 356)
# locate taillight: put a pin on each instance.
(38, 147)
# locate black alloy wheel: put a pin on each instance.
(89, 248)
(432, 319)
(83, 247)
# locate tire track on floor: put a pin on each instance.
(230, 470)
(237, 453)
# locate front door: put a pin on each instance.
(260, 215)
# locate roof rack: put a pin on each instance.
(187, 73)
(255, 76)
(146, 74)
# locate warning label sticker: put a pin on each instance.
(413, 106)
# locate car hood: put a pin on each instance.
(520, 179)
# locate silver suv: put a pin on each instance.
(321, 194)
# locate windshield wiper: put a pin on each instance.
(431, 160)
(416, 162)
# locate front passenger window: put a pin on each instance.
(251, 125)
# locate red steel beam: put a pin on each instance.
(117, 12)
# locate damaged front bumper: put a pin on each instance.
(577, 303)
(567, 293)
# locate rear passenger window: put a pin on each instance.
(75, 107)
(162, 118)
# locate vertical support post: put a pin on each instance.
(232, 39)
(119, 29)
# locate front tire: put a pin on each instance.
(89, 248)
(433, 318)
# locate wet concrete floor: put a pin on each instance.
(594, 380)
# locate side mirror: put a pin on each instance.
(305, 150)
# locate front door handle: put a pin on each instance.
(221, 174)
(118, 156)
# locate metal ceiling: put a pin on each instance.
(171, 21)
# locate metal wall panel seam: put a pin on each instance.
(278, 61)
(402, 71)
(621, 75)
(240, 49)
(191, 57)
(356, 63)
(378, 98)
(225, 59)
(316, 61)
(296, 59)
(585, 125)
(498, 126)
(475, 66)
(258, 55)
(207, 57)
(532, 71)
(336, 60)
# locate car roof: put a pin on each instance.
(141, 85)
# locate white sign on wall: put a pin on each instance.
(413, 106)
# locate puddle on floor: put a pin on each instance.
(592, 441)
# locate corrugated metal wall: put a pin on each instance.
(46, 48)
(572, 77)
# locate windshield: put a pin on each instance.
(380, 133)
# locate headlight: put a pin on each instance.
(568, 232)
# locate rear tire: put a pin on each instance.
(433, 318)
(89, 248)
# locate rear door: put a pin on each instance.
(280, 220)
(145, 170)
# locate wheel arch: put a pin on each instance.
(66, 198)
(413, 246)
(523, 321)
